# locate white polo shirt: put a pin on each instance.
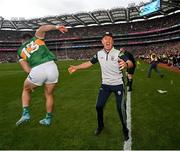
(111, 74)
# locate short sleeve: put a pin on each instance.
(122, 56)
(94, 59)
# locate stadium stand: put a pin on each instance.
(158, 32)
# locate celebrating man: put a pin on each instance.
(111, 63)
(36, 60)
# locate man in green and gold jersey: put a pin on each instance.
(37, 60)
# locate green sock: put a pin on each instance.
(26, 110)
(49, 115)
(130, 83)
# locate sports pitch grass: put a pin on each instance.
(155, 116)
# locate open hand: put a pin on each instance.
(122, 64)
(72, 69)
(62, 29)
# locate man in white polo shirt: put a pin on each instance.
(112, 61)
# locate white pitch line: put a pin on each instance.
(127, 144)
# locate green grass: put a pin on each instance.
(155, 117)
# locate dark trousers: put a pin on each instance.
(153, 66)
(104, 93)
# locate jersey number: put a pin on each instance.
(30, 48)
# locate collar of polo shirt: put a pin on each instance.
(108, 51)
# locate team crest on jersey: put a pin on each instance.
(112, 58)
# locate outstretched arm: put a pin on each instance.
(84, 65)
(41, 31)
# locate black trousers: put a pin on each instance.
(104, 93)
(154, 66)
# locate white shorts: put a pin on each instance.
(44, 73)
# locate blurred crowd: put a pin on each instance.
(123, 28)
(141, 38)
(168, 53)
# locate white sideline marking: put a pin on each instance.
(127, 144)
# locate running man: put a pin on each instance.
(37, 60)
(154, 65)
(111, 63)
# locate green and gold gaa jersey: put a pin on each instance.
(35, 52)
